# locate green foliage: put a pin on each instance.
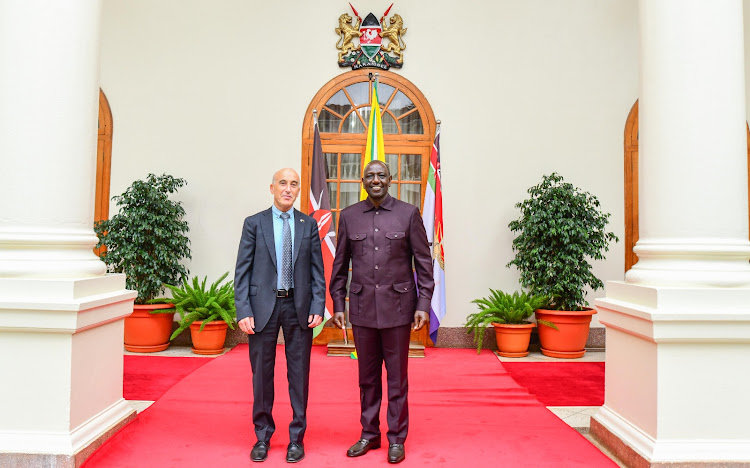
(146, 240)
(198, 303)
(560, 228)
(500, 307)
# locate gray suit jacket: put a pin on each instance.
(255, 273)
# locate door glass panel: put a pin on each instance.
(391, 160)
(351, 166)
(400, 104)
(332, 189)
(411, 193)
(349, 194)
(389, 124)
(328, 123)
(365, 113)
(339, 103)
(331, 163)
(411, 167)
(393, 190)
(352, 124)
(359, 92)
(412, 124)
(384, 93)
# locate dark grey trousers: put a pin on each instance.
(298, 344)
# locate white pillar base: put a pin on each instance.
(677, 376)
(62, 354)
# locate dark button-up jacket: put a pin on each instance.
(382, 243)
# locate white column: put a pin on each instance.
(49, 100)
(692, 146)
(678, 329)
(61, 324)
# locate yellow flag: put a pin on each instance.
(375, 149)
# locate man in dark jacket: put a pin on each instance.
(382, 236)
(279, 282)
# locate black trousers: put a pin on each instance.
(298, 344)
(375, 346)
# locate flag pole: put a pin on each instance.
(315, 117)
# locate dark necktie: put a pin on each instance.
(286, 253)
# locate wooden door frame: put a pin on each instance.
(403, 142)
(631, 184)
(103, 161)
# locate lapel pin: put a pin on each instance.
(301, 220)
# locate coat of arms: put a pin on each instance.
(369, 50)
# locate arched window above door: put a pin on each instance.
(348, 111)
(343, 106)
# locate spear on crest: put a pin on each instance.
(384, 14)
(355, 12)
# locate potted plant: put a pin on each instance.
(207, 312)
(508, 314)
(147, 240)
(560, 230)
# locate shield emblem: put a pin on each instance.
(370, 40)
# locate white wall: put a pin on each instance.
(215, 92)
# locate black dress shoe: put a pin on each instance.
(259, 452)
(362, 447)
(396, 453)
(294, 453)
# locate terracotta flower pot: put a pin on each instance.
(513, 340)
(146, 332)
(211, 339)
(569, 340)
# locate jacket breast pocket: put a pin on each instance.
(355, 298)
(357, 241)
(396, 242)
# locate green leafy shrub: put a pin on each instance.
(500, 307)
(198, 303)
(146, 239)
(560, 229)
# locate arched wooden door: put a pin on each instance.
(103, 161)
(343, 107)
(631, 185)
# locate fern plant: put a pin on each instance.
(501, 307)
(198, 303)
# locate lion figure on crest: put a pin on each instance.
(393, 33)
(347, 32)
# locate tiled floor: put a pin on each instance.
(577, 417)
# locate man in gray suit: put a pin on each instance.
(279, 282)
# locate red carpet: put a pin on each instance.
(561, 383)
(149, 377)
(465, 410)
